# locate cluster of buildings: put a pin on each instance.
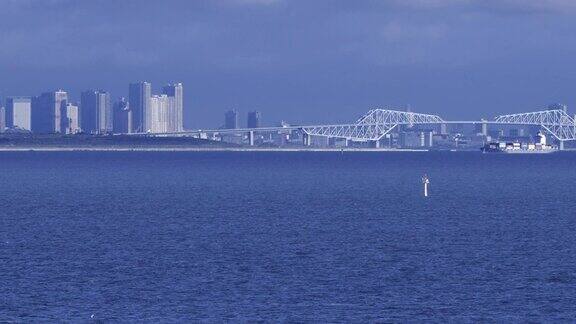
(231, 119)
(53, 112)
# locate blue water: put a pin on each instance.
(181, 237)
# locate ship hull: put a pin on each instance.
(530, 151)
(494, 148)
(521, 151)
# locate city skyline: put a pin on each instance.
(163, 113)
(171, 96)
(96, 112)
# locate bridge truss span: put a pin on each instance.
(386, 116)
(556, 122)
(373, 125)
(377, 123)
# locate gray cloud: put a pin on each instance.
(519, 5)
(254, 2)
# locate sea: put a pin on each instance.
(348, 237)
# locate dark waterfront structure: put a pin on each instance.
(176, 103)
(96, 112)
(231, 119)
(47, 112)
(19, 113)
(122, 117)
(254, 119)
(139, 97)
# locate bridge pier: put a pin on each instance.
(376, 144)
(561, 147)
(306, 140)
(251, 138)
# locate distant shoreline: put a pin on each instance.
(221, 149)
(196, 149)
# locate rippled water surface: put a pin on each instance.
(321, 236)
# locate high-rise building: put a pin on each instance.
(231, 119)
(159, 114)
(72, 119)
(19, 113)
(47, 112)
(95, 112)
(122, 117)
(139, 97)
(254, 119)
(176, 111)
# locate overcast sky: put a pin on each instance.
(302, 61)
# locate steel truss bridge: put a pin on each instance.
(377, 123)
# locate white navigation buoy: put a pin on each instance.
(426, 182)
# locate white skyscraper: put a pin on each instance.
(19, 113)
(176, 111)
(160, 114)
(72, 125)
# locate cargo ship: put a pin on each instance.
(540, 146)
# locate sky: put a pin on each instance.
(302, 61)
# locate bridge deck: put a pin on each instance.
(378, 122)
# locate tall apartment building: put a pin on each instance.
(48, 110)
(71, 125)
(231, 119)
(176, 111)
(122, 123)
(254, 119)
(160, 107)
(95, 112)
(18, 112)
(139, 95)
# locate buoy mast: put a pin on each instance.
(426, 182)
